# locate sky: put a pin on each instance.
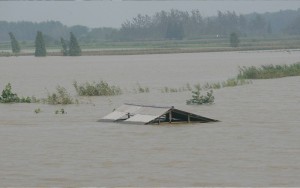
(112, 13)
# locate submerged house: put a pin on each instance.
(143, 114)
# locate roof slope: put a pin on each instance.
(143, 114)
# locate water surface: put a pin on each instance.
(255, 144)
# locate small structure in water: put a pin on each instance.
(143, 114)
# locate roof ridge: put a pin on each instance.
(152, 106)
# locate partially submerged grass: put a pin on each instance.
(166, 89)
(269, 71)
(37, 110)
(61, 111)
(208, 86)
(232, 82)
(101, 88)
(142, 89)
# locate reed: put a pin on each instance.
(142, 89)
(269, 71)
(232, 82)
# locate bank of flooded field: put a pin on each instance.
(255, 144)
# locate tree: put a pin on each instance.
(64, 47)
(15, 47)
(234, 40)
(74, 46)
(40, 48)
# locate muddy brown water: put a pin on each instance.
(257, 142)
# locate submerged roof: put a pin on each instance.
(145, 114)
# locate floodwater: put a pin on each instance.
(257, 142)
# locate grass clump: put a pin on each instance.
(208, 86)
(232, 82)
(141, 89)
(60, 97)
(61, 111)
(269, 71)
(38, 110)
(8, 96)
(166, 89)
(199, 99)
(101, 88)
(170, 90)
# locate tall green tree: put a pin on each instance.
(74, 46)
(40, 47)
(234, 40)
(64, 46)
(15, 47)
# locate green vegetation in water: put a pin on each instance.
(101, 88)
(208, 86)
(60, 97)
(269, 71)
(61, 111)
(8, 96)
(166, 89)
(141, 89)
(38, 110)
(199, 99)
(232, 82)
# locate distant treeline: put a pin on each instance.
(173, 24)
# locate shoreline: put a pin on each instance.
(148, 51)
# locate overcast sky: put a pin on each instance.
(114, 12)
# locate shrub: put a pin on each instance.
(199, 99)
(9, 97)
(96, 89)
(60, 97)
